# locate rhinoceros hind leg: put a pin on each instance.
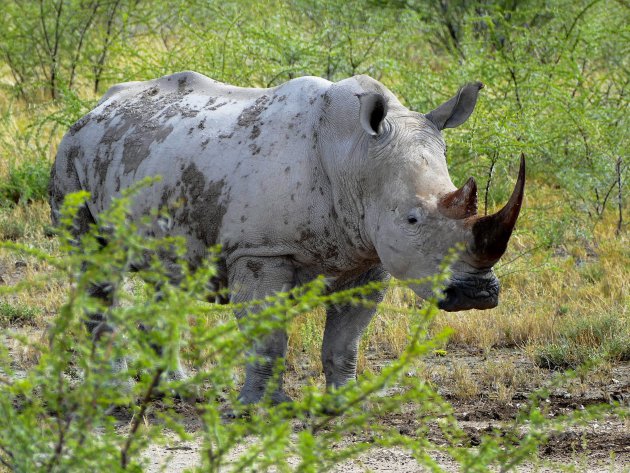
(250, 279)
(344, 326)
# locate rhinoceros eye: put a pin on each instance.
(412, 220)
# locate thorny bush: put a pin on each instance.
(72, 412)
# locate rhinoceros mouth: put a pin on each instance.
(470, 293)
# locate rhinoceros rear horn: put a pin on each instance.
(491, 233)
(457, 110)
(461, 203)
(372, 111)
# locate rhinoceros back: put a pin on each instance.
(217, 149)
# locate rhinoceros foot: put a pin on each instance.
(253, 396)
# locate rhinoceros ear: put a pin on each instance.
(457, 110)
(373, 108)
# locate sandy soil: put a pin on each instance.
(564, 452)
(176, 459)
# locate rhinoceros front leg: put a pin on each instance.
(344, 326)
(98, 326)
(96, 322)
(252, 279)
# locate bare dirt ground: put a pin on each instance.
(596, 449)
(600, 446)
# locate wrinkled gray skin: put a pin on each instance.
(307, 178)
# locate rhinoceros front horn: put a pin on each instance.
(491, 233)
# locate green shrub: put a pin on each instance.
(26, 181)
(58, 416)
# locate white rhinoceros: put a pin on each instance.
(304, 179)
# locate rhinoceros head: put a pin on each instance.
(416, 214)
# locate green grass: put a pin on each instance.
(30, 222)
(11, 229)
(590, 340)
(17, 313)
(25, 182)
